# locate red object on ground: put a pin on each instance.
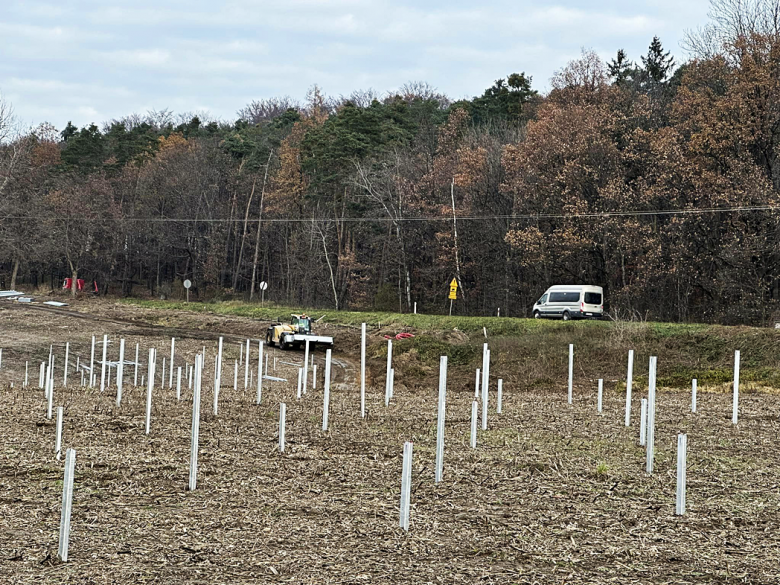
(67, 284)
(400, 336)
(80, 284)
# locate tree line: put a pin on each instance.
(657, 180)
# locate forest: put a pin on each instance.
(656, 178)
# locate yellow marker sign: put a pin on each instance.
(454, 290)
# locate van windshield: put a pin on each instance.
(592, 298)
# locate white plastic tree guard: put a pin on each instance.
(735, 401)
(135, 366)
(218, 383)
(476, 384)
(193, 480)
(282, 425)
(601, 395)
(50, 395)
(441, 418)
(473, 438)
(651, 414)
(67, 504)
(259, 396)
(149, 386)
(65, 371)
(103, 364)
(629, 384)
(682, 473)
(500, 395)
(178, 383)
(92, 364)
(406, 485)
(485, 387)
(218, 376)
(300, 383)
(246, 366)
(363, 370)
(120, 372)
(58, 440)
(389, 367)
(170, 364)
(306, 367)
(643, 423)
(694, 387)
(326, 392)
(571, 373)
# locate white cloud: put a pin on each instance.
(90, 58)
(136, 57)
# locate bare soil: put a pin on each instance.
(553, 493)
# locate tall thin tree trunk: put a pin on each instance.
(259, 221)
(226, 264)
(330, 266)
(14, 273)
(243, 236)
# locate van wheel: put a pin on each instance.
(566, 316)
(537, 315)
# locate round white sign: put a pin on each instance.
(187, 284)
(263, 285)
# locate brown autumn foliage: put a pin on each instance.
(661, 188)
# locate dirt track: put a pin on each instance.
(553, 493)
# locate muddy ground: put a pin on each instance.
(552, 494)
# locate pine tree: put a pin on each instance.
(657, 64)
(620, 68)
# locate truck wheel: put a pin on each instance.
(283, 345)
(537, 315)
(566, 316)
(269, 339)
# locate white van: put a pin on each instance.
(571, 302)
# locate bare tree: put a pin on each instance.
(587, 73)
(731, 20)
(422, 90)
(265, 110)
(362, 98)
(382, 185)
(7, 121)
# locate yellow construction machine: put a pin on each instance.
(296, 334)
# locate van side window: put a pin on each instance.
(564, 297)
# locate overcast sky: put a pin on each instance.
(94, 60)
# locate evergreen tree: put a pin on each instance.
(504, 100)
(657, 64)
(620, 68)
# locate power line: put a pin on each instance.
(510, 217)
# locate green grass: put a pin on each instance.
(496, 326)
(538, 349)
